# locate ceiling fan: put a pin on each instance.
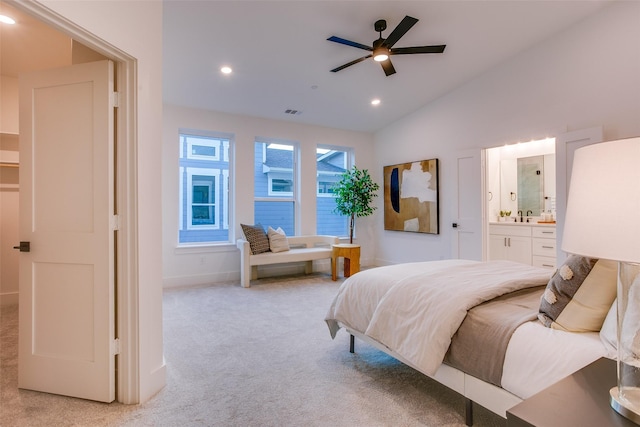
(382, 48)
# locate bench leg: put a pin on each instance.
(245, 277)
(352, 344)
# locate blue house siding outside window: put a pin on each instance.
(204, 188)
(331, 163)
(275, 185)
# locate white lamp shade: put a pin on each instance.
(603, 208)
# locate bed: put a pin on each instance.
(484, 329)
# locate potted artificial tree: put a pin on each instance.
(354, 194)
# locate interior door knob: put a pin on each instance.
(24, 247)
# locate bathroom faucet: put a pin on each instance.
(520, 215)
(529, 212)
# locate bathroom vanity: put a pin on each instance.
(529, 243)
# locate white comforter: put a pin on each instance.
(414, 309)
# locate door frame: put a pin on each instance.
(126, 188)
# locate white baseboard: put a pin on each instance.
(321, 266)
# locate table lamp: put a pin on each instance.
(603, 221)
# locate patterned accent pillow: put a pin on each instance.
(257, 238)
(278, 241)
(579, 295)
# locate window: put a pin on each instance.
(331, 163)
(275, 185)
(204, 187)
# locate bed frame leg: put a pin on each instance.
(352, 344)
(468, 411)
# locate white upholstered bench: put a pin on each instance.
(302, 248)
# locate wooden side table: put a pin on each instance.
(351, 254)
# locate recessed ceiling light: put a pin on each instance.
(6, 20)
(375, 102)
(226, 70)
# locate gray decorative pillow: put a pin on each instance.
(562, 288)
(257, 238)
(278, 241)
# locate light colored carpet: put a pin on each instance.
(261, 356)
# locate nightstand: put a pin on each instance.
(581, 399)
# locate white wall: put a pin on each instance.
(205, 265)
(583, 77)
(9, 104)
(135, 27)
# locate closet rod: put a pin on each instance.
(9, 165)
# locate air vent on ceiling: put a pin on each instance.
(293, 112)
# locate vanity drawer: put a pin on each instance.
(544, 247)
(544, 261)
(510, 230)
(544, 232)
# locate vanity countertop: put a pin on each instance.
(532, 223)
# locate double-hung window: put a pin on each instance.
(204, 187)
(331, 163)
(275, 174)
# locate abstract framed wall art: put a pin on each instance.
(411, 197)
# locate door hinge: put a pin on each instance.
(115, 99)
(115, 222)
(115, 346)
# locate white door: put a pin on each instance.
(66, 331)
(467, 206)
(566, 144)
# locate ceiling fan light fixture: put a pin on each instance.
(380, 54)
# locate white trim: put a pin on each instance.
(225, 194)
(284, 177)
(181, 198)
(128, 371)
(208, 142)
(215, 174)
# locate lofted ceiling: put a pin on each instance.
(282, 60)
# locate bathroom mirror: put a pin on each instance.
(521, 177)
(528, 184)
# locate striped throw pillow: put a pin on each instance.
(257, 238)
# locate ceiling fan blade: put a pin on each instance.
(404, 26)
(349, 64)
(349, 43)
(387, 66)
(418, 49)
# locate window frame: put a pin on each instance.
(277, 196)
(215, 203)
(223, 212)
(349, 160)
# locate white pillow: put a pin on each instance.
(609, 331)
(277, 240)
